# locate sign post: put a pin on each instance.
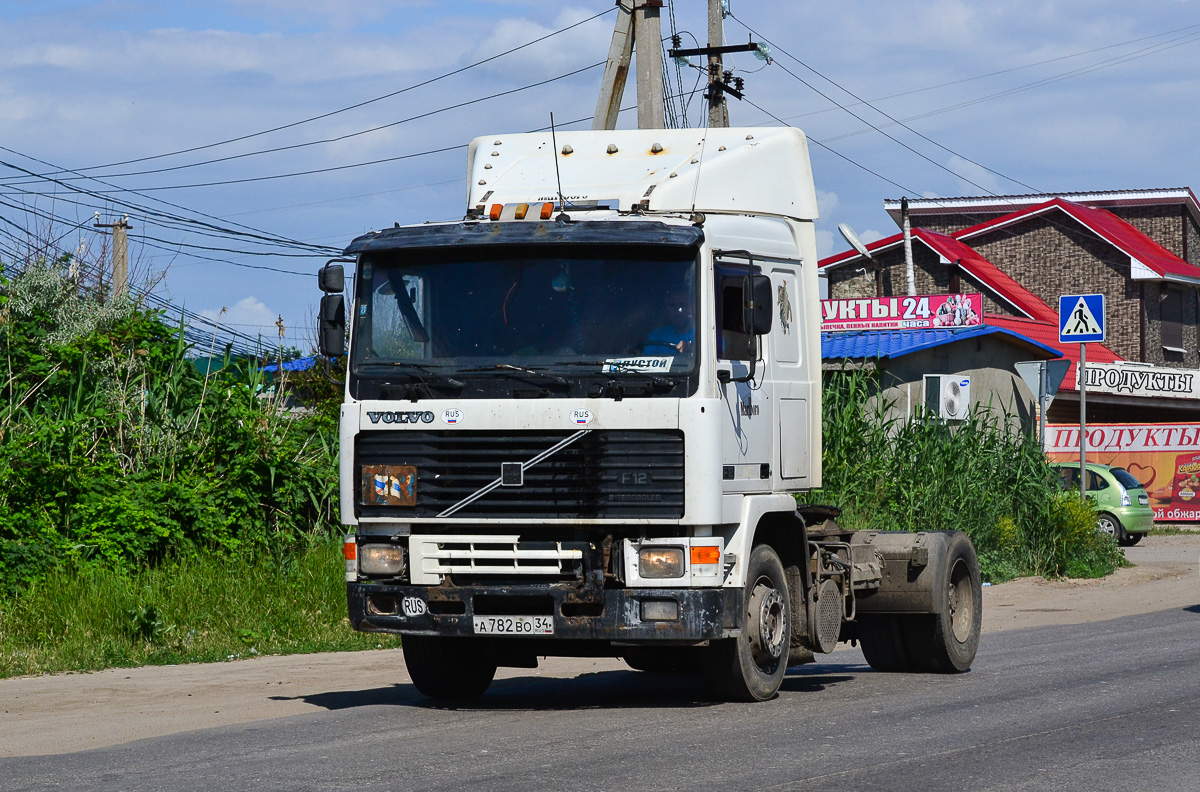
(1043, 378)
(1081, 320)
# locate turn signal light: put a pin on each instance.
(706, 555)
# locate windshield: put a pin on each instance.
(613, 313)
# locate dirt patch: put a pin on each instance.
(75, 712)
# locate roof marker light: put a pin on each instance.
(547, 210)
(494, 214)
(522, 209)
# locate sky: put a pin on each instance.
(937, 98)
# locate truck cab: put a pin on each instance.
(576, 420)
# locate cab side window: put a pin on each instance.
(733, 342)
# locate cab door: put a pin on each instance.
(747, 439)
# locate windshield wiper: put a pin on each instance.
(424, 374)
(502, 367)
(610, 369)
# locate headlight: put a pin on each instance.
(660, 562)
(380, 559)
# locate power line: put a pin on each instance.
(886, 115)
(348, 135)
(354, 106)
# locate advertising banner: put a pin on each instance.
(1139, 380)
(1164, 457)
(921, 311)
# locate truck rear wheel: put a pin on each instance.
(943, 640)
(882, 640)
(446, 668)
(751, 667)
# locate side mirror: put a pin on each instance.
(331, 278)
(331, 325)
(758, 304)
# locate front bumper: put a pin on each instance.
(612, 615)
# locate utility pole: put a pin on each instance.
(638, 28)
(616, 70)
(647, 37)
(120, 255)
(718, 111)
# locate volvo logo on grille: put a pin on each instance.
(401, 417)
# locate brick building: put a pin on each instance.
(1139, 248)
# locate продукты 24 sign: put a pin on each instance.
(916, 312)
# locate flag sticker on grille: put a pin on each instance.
(389, 485)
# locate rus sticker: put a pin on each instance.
(581, 416)
(452, 416)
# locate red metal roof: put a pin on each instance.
(1047, 333)
(1107, 226)
(987, 274)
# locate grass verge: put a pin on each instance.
(199, 608)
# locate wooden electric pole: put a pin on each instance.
(120, 262)
(639, 29)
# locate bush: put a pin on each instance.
(979, 477)
(116, 452)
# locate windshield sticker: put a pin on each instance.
(452, 416)
(649, 363)
(581, 416)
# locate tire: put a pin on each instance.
(882, 640)
(446, 668)
(751, 667)
(946, 640)
(1130, 539)
(658, 660)
(1107, 524)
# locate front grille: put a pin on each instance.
(609, 474)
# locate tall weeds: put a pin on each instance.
(115, 451)
(976, 476)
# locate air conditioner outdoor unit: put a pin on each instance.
(948, 396)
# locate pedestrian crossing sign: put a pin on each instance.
(1080, 318)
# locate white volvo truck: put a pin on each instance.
(576, 423)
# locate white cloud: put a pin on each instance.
(248, 315)
(827, 202)
(825, 243)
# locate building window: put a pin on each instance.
(1172, 320)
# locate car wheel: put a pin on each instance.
(1130, 539)
(1107, 524)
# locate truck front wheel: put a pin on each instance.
(446, 668)
(751, 666)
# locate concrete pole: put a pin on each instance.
(909, 275)
(616, 71)
(647, 37)
(718, 111)
(120, 258)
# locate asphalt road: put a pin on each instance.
(1109, 705)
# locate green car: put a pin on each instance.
(1121, 499)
